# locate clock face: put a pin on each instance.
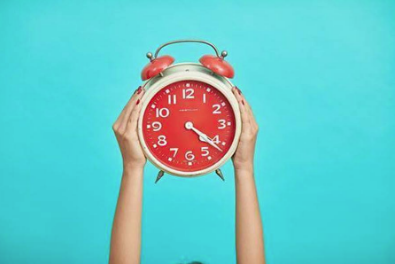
(188, 126)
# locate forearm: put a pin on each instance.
(126, 231)
(249, 233)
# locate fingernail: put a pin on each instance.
(238, 90)
(138, 101)
(242, 101)
(139, 90)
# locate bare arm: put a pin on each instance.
(249, 231)
(126, 231)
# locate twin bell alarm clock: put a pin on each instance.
(189, 123)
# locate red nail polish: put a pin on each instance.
(138, 101)
(139, 90)
(242, 101)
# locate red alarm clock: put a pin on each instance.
(189, 123)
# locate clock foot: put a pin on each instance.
(160, 175)
(219, 173)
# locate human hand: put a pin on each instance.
(243, 159)
(125, 129)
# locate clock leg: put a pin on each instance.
(160, 175)
(219, 173)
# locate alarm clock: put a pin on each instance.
(189, 124)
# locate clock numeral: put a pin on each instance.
(162, 112)
(175, 150)
(222, 123)
(188, 93)
(189, 155)
(216, 139)
(156, 126)
(216, 110)
(205, 151)
(171, 99)
(162, 140)
(204, 98)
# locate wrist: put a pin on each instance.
(244, 171)
(133, 168)
(245, 166)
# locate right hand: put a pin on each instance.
(125, 129)
(243, 159)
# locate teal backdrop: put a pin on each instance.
(320, 76)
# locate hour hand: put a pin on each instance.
(202, 136)
(210, 141)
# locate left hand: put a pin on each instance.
(125, 129)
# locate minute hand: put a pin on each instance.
(189, 125)
(206, 138)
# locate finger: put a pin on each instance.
(133, 118)
(117, 122)
(129, 108)
(249, 109)
(250, 112)
(125, 108)
(245, 119)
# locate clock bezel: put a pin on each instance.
(193, 72)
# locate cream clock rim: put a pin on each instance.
(198, 76)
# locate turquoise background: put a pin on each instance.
(320, 76)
